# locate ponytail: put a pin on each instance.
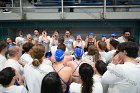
(36, 62)
(87, 86)
(97, 55)
(2, 78)
(86, 74)
(37, 54)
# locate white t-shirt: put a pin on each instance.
(76, 88)
(19, 41)
(104, 55)
(2, 61)
(53, 49)
(79, 44)
(34, 76)
(121, 39)
(47, 62)
(108, 40)
(88, 59)
(15, 89)
(43, 42)
(26, 58)
(53, 42)
(14, 64)
(137, 59)
(98, 78)
(122, 78)
(1, 88)
(69, 44)
(110, 55)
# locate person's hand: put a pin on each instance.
(46, 41)
(103, 39)
(117, 59)
(19, 79)
(21, 63)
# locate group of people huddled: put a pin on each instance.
(54, 64)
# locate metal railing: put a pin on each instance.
(104, 6)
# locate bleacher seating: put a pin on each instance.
(95, 3)
(47, 4)
(135, 3)
(117, 2)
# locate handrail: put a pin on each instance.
(108, 6)
(104, 6)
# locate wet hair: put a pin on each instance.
(20, 32)
(56, 31)
(61, 40)
(121, 46)
(102, 45)
(93, 51)
(101, 67)
(86, 73)
(51, 83)
(114, 43)
(126, 31)
(44, 31)
(36, 29)
(68, 29)
(62, 47)
(6, 76)
(37, 53)
(3, 45)
(27, 46)
(131, 49)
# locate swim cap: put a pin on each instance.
(90, 33)
(79, 52)
(59, 55)
(103, 35)
(113, 34)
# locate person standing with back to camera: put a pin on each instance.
(123, 74)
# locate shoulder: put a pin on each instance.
(97, 88)
(47, 62)
(113, 66)
(74, 42)
(83, 41)
(75, 88)
(22, 89)
(115, 69)
(2, 58)
(68, 70)
(27, 68)
(10, 62)
(121, 37)
(69, 63)
(68, 57)
(46, 68)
